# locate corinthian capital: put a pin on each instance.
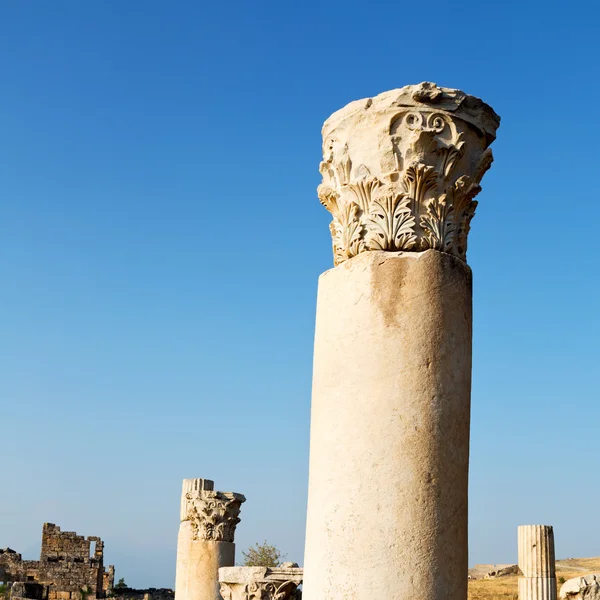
(401, 170)
(260, 583)
(213, 515)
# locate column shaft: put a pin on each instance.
(537, 588)
(198, 564)
(389, 447)
(205, 541)
(537, 562)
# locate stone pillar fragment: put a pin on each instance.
(261, 583)
(205, 541)
(537, 563)
(389, 440)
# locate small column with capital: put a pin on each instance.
(205, 542)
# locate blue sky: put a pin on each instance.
(161, 239)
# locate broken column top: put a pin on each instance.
(401, 170)
(424, 95)
(191, 485)
(536, 550)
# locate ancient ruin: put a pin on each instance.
(205, 542)
(537, 563)
(581, 588)
(261, 583)
(389, 442)
(71, 567)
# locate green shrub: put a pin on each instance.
(262, 555)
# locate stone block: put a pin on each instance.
(266, 583)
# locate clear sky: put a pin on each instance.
(161, 239)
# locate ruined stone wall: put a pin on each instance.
(32, 591)
(66, 567)
(10, 562)
(108, 580)
(67, 579)
(62, 545)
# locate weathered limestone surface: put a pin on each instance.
(581, 588)
(536, 551)
(205, 542)
(387, 507)
(260, 583)
(537, 562)
(389, 447)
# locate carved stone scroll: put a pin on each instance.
(261, 583)
(401, 170)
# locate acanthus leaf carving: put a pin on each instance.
(463, 191)
(351, 231)
(363, 190)
(267, 590)
(400, 171)
(450, 154)
(438, 224)
(213, 515)
(346, 227)
(329, 199)
(418, 180)
(392, 223)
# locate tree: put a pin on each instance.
(120, 585)
(262, 555)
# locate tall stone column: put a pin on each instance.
(537, 563)
(205, 542)
(389, 440)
